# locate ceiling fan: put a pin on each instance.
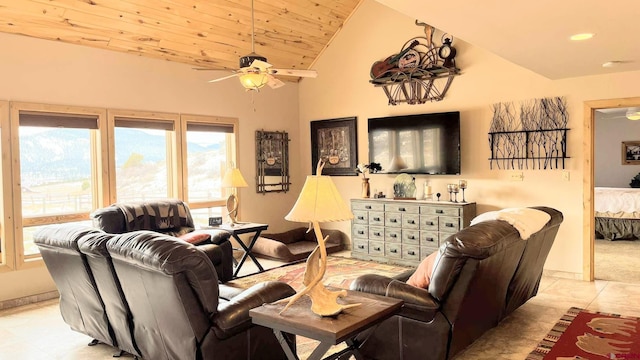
(631, 113)
(255, 72)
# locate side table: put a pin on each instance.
(245, 228)
(299, 320)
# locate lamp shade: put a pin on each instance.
(319, 201)
(233, 178)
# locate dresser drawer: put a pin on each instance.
(376, 218)
(410, 221)
(410, 237)
(402, 208)
(376, 248)
(428, 222)
(429, 238)
(360, 231)
(411, 253)
(376, 233)
(392, 250)
(439, 210)
(392, 235)
(360, 246)
(393, 219)
(357, 205)
(448, 224)
(360, 217)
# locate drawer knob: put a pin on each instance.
(393, 220)
(376, 248)
(393, 235)
(402, 209)
(411, 222)
(368, 207)
(449, 225)
(360, 246)
(376, 219)
(377, 234)
(394, 250)
(412, 253)
(430, 223)
(429, 239)
(439, 211)
(360, 232)
(412, 237)
(360, 217)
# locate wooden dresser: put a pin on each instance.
(404, 231)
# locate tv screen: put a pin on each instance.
(416, 144)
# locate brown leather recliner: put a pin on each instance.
(81, 305)
(481, 274)
(167, 216)
(180, 310)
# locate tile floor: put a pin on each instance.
(37, 331)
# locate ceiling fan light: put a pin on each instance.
(633, 114)
(252, 81)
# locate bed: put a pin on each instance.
(617, 213)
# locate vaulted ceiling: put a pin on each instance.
(214, 34)
(211, 34)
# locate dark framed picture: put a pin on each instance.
(335, 142)
(631, 153)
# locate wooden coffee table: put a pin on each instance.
(299, 320)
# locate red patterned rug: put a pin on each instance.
(584, 334)
(340, 273)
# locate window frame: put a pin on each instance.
(7, 251)
(231, 150)
(173, 147)
(97, 140)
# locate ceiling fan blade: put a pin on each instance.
(223, 78)
(262, 65)
(294, 72)
(274, 83)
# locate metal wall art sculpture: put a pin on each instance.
(534, 136)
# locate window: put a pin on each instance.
(144, 150)
(210, 150)
(55, 178)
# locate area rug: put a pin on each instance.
(340, 273)
(584, 334)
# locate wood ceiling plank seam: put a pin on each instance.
(29, 7)
(164, 54)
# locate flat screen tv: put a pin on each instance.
(416, 144)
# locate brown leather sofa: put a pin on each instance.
(296, 244)
(167, 216)
(481, 274)
(155, 296)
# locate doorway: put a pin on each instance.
(590, 108)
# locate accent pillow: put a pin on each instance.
(195, 237)
(422, 276)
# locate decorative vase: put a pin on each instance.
(366, 189)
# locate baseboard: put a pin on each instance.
(27, 300)
(562, 274)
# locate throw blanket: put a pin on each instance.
(526, 220)
(155, 215)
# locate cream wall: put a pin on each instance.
(50, 72)
(607, 163)
(343, 89)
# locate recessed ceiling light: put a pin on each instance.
(583, 36)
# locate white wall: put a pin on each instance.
(609, 135)
(343, 89)
(55, 73)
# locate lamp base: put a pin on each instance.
(324, 302)
(232, 208)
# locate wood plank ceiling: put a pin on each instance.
(211, 34)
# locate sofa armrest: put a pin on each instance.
(418, 303)
(217, 236)
(233, 316)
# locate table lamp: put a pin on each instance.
(233, 179)
(319, 201)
